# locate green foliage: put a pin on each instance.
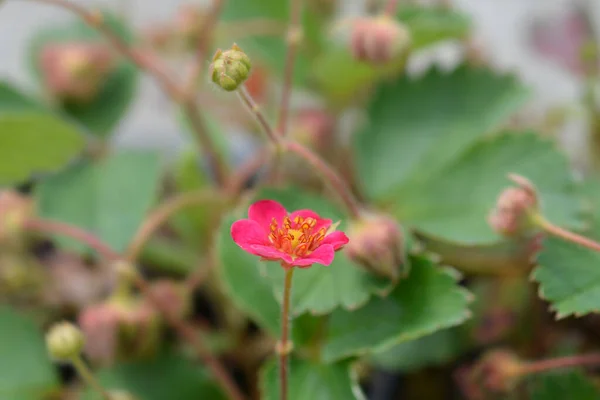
(26, 372)
(12, 100)
(109, 198)
(429, 25)
(428, 300)
(418, 127)
(312, 381)
(34, 143)
(102, 115)
(455, 201)
(168, 376)
(564, 385)
(569, 277)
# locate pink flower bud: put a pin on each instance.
(514, 209)
(76, 71)
(496, 373)
(379, 40)
(376, 243)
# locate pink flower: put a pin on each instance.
(300, 239)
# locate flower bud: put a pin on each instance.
(14, 210)
(496, 373)
(376, 243)
(230, 68)
(64, 341)
(514, 209)
(76, 71)
(379, 40)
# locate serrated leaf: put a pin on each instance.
(430, 25)
(311, 381)
(103, 114)
(564, 385)
(454, 202)
(320, 289)
(435, 349)
(168, 376)
(418, 127)
(569, 277)
(33, 143)
(428, 300)
(109, 198)
(26, 372)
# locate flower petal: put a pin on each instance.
(263, 212)
(336, 239)
(270, 253)
(322, 255)
(247, 233)
(321, 222)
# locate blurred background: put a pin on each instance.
(504, 30)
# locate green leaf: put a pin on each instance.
(564, 385)
(320, 289)
(454, 202)
(26, 372)
(436, 349)
(103, 114)
(33, 143)
(109, 198)
(418, 127)
(430, 25)
(12, 100)
(311, 381)
(168, 376)
(428, 300)
(569, 277)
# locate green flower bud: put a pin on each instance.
(64, 341)
(230, 68)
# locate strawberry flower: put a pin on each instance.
(299, 239)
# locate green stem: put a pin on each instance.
(89, 378)
(285, 346)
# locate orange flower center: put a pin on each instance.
(296, 238)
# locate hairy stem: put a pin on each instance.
(185, 330)
(161, 215)
(328, 174)
(284, 346)
(534, 367)
(564, 234)
(150, 65)
(209, 24)
(89, 378)
(294, 37)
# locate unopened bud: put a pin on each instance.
(230, 68)
(496, 373)
(514, 209)
(76, 71)
(379, 40)
(64, 341)
(377, 244)
(14, 210)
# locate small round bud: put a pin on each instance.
(64, 341)
(376, 243)
(514, 209)
(496, 373)
(379, 40)
(230, 68)
(76, 71)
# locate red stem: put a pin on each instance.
(564, 234)
(562, 362)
